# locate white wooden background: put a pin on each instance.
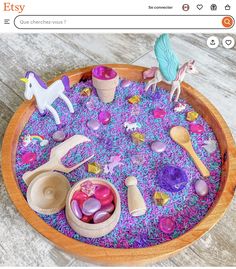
(50, 55)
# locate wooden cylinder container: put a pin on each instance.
(90, 229)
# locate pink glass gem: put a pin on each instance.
(80, 197)
(107, 200)
(196, 128)
(166, 225)
(102, 192)
(87, 219)
(88, 187)
(158, 146)
(101, 216)
(125, 83)
(201, 187)
(104, 117)
(93, 124)
(103, 72)
(159, 113)
(29, 157)
(75, 209)
(108, 208)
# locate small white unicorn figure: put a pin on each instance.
(45, 96)
(114, 161)
(169, 70)
(27, 140)
(132, 126)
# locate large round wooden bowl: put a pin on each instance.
(110, 256)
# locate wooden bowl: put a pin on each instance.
(47, 192)
(111, 256)
(88, 229)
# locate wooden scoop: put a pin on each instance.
(56, 154)
(181, 136)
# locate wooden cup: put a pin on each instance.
(106, 88)
(89, 229)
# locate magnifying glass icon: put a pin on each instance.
(228, 22)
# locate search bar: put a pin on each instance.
(124, 22)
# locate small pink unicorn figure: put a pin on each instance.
(169, 69)
(113, 162)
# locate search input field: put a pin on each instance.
(124, 22)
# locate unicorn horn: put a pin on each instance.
(25, 80)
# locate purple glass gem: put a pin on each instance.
(108, 208)
(158, 146)
(103, 72)
(166, 225)
(104, 117)
(201, 187)
(93, 124)
(91, 206)
(101, 216)
(125, 83)
(59, 136)
(172, 178)
(75, 209)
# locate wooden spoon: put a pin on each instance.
(56, 155)
(181, 136)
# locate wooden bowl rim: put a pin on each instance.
(115, 256)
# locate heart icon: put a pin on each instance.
(228, 42)
(199, 6)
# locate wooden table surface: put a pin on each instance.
(52, 54)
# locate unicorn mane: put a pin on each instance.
(40, 81)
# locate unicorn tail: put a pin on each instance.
(66, 82)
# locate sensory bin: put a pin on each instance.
(185, 207)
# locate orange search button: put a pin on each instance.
(228, 22)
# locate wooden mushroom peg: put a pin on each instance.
(136, 203)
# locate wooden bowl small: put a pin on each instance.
(47, 192)
(90, 229)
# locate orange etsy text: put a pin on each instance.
(7, 6)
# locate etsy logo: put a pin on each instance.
(7, 6)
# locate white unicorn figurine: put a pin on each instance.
(169, 70)
(45, 96)
(132, 126)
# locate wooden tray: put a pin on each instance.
(109, 256)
